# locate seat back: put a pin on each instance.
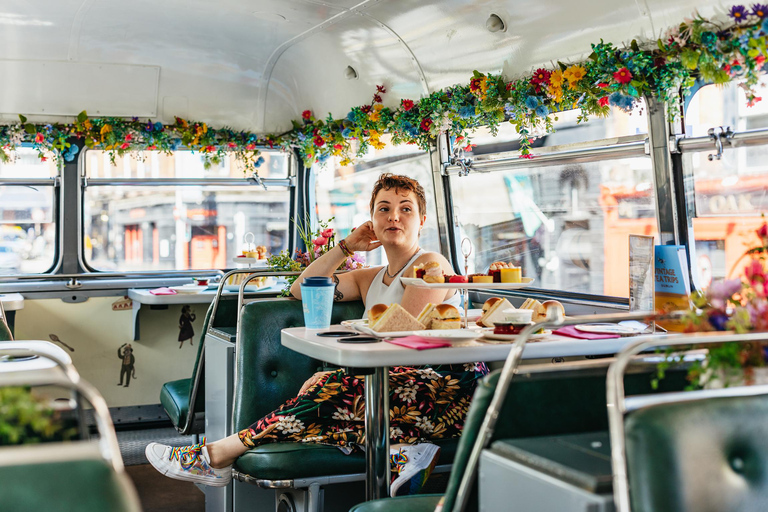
(703, 455)
(5, 330)
(267, 374)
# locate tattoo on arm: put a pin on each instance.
(337, 295)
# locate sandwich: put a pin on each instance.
(549, 304)
(445, 316)
(495, 312)
(490, 302)
(396, 318)
(425, 317)
(539, 311)
(431, 272)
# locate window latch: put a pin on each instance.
(254, 179)
(718, 134)
(458, 158)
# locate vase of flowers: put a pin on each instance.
(739, 305)
(317, 242)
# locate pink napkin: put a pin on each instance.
(162, 291)
(573, 332)
(418, 342)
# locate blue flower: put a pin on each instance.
(542, 111)
(322, 158)
(738, 13)
(708, 39)
(301, 136)
(467, 112)
(410, 130)
(175, 143)
(346, 133)
(259, 162)
(158, 126)
(621, 101)
(351, 116)
(531, 102)
(764, 26)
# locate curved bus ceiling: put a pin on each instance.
(255, 65)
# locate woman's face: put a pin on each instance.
(396, 218)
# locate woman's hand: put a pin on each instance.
(363, 238)
(312, 381)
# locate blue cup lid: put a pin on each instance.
(317, 281)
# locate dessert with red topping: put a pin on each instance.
(457, 279)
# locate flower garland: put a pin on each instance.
(734, 48)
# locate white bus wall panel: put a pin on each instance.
(63, 88)
(96, 332)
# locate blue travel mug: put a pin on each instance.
(317, 301)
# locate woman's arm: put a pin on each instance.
(348, 285)
(415, 298)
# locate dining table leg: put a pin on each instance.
(377, 472)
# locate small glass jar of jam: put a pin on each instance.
(508, 327)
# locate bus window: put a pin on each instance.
(27, 227)
(729, 193)
(343, 192)
(566, 225)
(154, 221)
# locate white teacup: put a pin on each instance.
(518, 316)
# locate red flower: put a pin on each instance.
(407, 105)
(319, 142)
(763, 231)
(540, 77)
(381, 89)
(759, 60)
(509, 86)
(474, 84)
(527, 156)
(365, 108)
(124, 145)
(603, 101)
(469, 147)
(602, 85)
(726, 68)
(327, 233)
(320, 241)
(43, 158)
(623, 76)
(753, 100)
(459, 139)
(152, 147)
(250, 147)
(338, 147)
(376, 98)
(210, 149)
(128, 137)
(39, 138)
(426, 123)
(307, 114)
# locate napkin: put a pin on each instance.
(418, 342)
(162, 291)
(573, 332)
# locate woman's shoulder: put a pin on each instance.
(432, 256)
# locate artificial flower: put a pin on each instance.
(738, 13)
(574, 74)
(622, 76)
(407, 105)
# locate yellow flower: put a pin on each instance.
(374, 116)
(574, 74)
(346, 161)
(377, 144)
(377, 107)
(87, 124)
(556, 93)
(556, 78)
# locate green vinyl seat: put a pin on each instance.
(261, 388)
(176, 396)
(5, 330)
(75, 485)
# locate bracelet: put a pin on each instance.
(345, 249)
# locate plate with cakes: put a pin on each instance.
(500, 276)
(393, 321)
(501, 321)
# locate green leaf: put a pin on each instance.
(593, 56)
(81, 117)
(22, 118)
(634, 46)
(30, 128)
(689, 58)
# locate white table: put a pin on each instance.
(141, 296)
(12, 301)
(380, 356)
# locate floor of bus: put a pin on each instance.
(157, 492)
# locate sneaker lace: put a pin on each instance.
(187, 455)
(398, 461)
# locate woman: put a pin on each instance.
(426, 403)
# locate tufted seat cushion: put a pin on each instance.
(274, 461)
(705, 455)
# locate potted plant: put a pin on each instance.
(27, 419)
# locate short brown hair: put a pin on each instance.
(389, 181)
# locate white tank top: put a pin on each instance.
(380, 293)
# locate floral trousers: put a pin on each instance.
(426, 403)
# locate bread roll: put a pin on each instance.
(375, 313)
(547, 304)
(446, 316)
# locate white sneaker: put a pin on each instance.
(414, 463)
(189, 463)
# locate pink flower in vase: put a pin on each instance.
(327, 233)
(320, 241)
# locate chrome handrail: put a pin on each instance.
(616, 398)
(109, 447)
(554, 320)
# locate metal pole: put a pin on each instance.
(377, 434)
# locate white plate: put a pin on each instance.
(190, 289)
(251, 261)
(607, 329)
(451, 334)
(488, 334)
(361, 325)
(414, 281)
